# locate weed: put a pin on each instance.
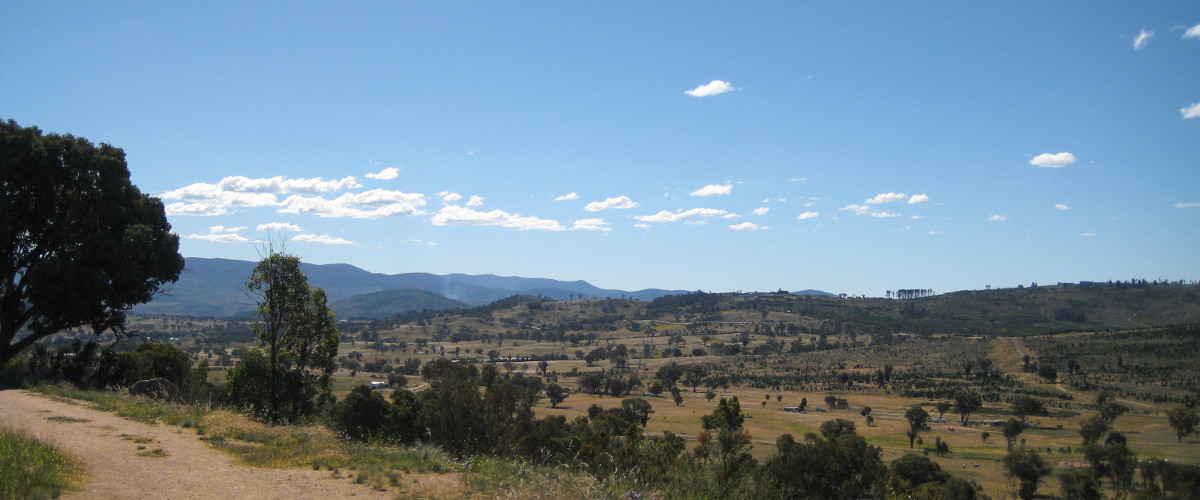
(32, 469)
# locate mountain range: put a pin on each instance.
(217, 288)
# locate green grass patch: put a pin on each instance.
(32, 469)
(141, 410)
(155, 453)
(69, 420)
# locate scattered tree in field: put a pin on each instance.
(1077, 484)
(1012, 429)
(693, 376)
(1093, 428)
(1028, 468)
(677, 396)
(1047, 372)
(709, 395)
(79, 244)
(942, 407)
(984, 436)
(1109, 408)
(836, 427)
(556, 394)
(918, 420)
(1024, 406)
(1183, 420)
(967, 402)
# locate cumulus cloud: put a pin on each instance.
(196, 209)
(713, 190)
(205, 199)
(372, 204)
(885, 198)
(1142, 39)
(1192, 111)
(1061, 206)
(324, 239)
(386, 174)
(997, 218)
(454, 215)
(1188, 204)
(278, 226)
(569, 196)
(591, 225)
(665, 216)
(883, 214)
(1193, 32)
(221, 234)
(709, 89)
(620, 202)
(642, 226)
(475, 201)
(760, 210)
(856, 208)
(449, 196)
(1050, 160)
(283, 185)
(747, 226)
(918, 198)
(808, 215)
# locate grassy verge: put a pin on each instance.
(141, 410)
(32, 469)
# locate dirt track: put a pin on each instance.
(187, 467)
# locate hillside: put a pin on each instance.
(216, 287)
(386, 303)
(1026, 311)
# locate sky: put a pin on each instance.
(852, 147)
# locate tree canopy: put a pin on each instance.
(79, 243)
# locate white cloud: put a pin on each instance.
(283, 185)
(1142, 39)
(620, 202)
(918, 198)
(916, 217)
(713, 190)
(1193, 32)
(570, 196)
(797, 179)
(430, 243)
(711, 88)
(747, 226)
(856, 208)
(642, 226)
(933, 232)
(454, 215)
(760, 210)
(1061, 206)
(884, 214)
(808, 215)
(475, 201)
(1189, 204)
(1192, 111)
(386, 174)
(324, 239)
(372, 204)
(665, 216)
(997, 218)
(221, 234)
(1087, 235)
(196, 209)
(278, 226)
(885, 198)
(1049, 160)
(449, 196)
(591, 225)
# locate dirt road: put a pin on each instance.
(127, 459)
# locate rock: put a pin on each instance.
(155, 388)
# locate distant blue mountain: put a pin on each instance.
(217, 287)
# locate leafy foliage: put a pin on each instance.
(79, 244)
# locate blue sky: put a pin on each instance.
(852, 147)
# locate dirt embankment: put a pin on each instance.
(127, 459)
